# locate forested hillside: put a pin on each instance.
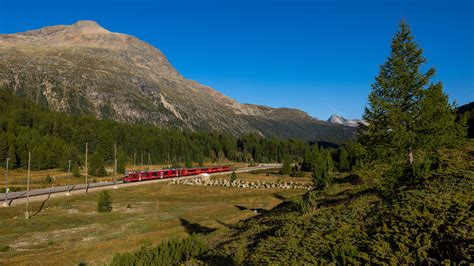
(54, 138)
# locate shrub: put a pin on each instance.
(4, 248)
(48, 179)
(305, 203)
(104, 204)
(75, 171)
(233, 177)
(96, 164)
(286, 168)
(168, 253)
(322, 170)
(295, 172)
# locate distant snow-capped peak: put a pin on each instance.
(339, 120)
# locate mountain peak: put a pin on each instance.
(336, 119)
(88, 26)
(81, 27)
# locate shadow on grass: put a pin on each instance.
(42, 206)
(257, 210)
(345, 197)
(351, 179)
(280, 197)
(227, 225)
(195, 227)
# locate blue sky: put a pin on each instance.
(318, 56)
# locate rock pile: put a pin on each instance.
(241, 183)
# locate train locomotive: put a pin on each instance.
(171, 173)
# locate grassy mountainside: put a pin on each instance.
(356, 220)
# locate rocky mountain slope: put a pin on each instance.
(83, 68)
(339, 120)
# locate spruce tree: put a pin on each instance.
(3, 146)
(13, 163)
(104, 203)
(286, 168)
(307, 161)
(121, 161)
(96, 165)
(322, 169)
(344, 164)
(404, 106)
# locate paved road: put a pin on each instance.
(63, 189)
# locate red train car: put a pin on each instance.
(170, 173)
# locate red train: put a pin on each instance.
(170, 173)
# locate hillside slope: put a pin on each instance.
(83, 68)
(356, 221)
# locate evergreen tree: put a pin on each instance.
(437, 126)
(96, 165)
(286, 168)
(121, 161)
(322, 169)
(400, 104)
(307, 161)
(104, 204)
(344, 164)
(188, 163)
(75, 171)
(3, 146)
(233, 176)
(13, 163)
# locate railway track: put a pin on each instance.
(20, 196)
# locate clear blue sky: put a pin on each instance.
(318, 56)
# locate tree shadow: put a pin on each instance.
(41, 206)
(344, 197)
(352, 179)
(280, 197)
(195, 227)
(327, 144)
(257, 210)
(230, 226)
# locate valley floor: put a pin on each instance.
(69, 230)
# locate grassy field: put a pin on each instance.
(69, 230)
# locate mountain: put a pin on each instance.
(86, 69)
(339, 120)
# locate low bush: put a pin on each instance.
(172, 252)
(4, 248)
(233, 177)
(104, 204)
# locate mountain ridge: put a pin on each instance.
(84, 68)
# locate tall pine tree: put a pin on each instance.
(406, 111)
